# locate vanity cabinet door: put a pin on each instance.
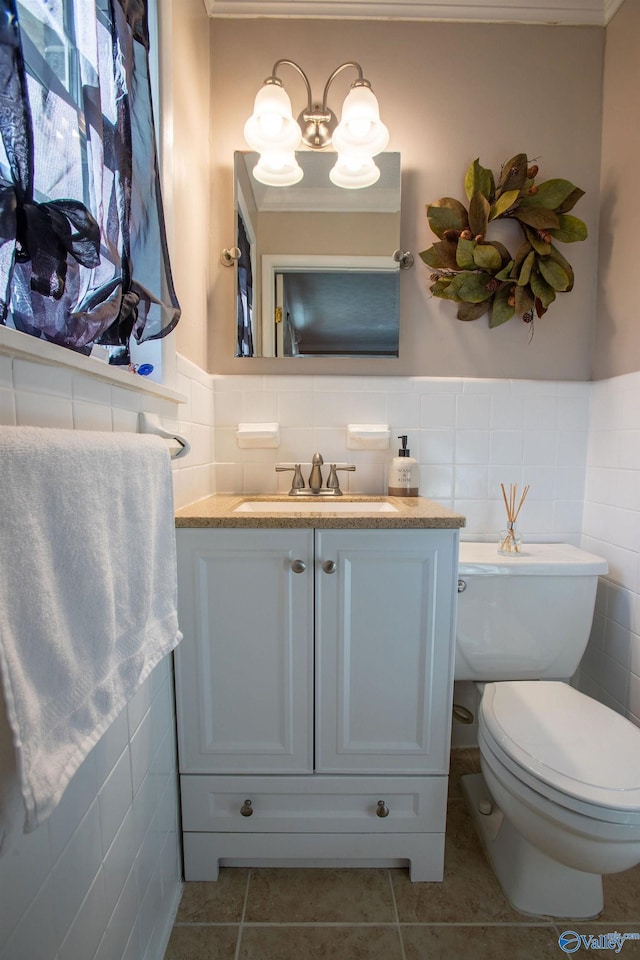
(244, 670)
(384, 650)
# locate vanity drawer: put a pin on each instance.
(313, 803)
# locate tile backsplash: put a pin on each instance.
(467, 435)
(576, 443)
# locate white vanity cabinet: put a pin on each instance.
(314, 686)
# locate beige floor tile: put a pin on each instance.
(622, 897)
(480, 943)
(194, 942)
(323, 895)
(469, 893)
(320, 943)
(219, 902)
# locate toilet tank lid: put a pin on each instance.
(534, 559)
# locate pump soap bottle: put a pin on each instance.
(404, 473)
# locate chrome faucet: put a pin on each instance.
(332, 488)
(315, 488)
(333, 484)
(315, 477)
(297, 484)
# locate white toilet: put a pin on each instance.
(558, 801)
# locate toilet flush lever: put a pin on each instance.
(462, 586)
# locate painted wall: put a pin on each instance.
(617, 331)
(186, 181)
(314, 412)
(449, 93)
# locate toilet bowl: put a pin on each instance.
(558, 801)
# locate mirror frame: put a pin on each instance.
(265, 298)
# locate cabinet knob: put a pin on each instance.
(382, 810)
(298, 566)
(246, 810)
(329, 566)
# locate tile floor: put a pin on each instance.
(377, 914)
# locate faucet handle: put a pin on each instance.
(333, 483)
(298, 482)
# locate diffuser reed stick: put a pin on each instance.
(509, 541)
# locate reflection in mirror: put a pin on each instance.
(316, 274)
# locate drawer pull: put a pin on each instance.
(298, 566)
(329, 566)
(246, 810)
(382, 810)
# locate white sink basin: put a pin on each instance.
(321, 505)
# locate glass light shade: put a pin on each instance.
(271, 126)
(360, 131)
(278, 169)
(353, 173)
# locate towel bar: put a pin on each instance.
(150, 423)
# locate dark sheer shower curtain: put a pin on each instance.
(83, 251)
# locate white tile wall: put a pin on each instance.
(193, 476)
(104, 871)
(119, 814)
(610, 669)
(33, 393)
(101, 878)
(468, 436)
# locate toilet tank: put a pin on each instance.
(524, 617)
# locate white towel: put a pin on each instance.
(87, 592)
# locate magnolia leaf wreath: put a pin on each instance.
(480, 274)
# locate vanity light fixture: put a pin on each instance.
(272, 131)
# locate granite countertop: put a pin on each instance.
(410, 513)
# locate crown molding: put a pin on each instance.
(611, 7)
(554, 12)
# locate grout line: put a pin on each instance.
(207, 923)
(321, 923)
(393, 898)
(403, 955)
(236, 955)
(543, 924)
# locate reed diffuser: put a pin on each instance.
(510, 539)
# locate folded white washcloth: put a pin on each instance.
(87, 592)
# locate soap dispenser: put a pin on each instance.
(404, 473)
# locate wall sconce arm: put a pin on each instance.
(273, 132)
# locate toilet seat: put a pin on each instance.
(593, 767)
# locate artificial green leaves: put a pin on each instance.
(480, 274)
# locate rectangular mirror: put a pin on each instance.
(316, 275)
